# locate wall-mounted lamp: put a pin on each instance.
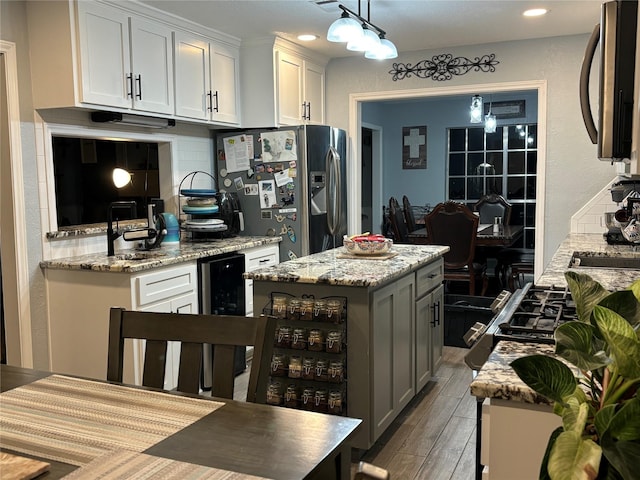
(121, 177)
(475, 111)
(361, 35)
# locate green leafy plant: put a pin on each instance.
(595, 388)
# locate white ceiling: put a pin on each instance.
(410, 24)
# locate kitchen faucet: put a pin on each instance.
(111, 235)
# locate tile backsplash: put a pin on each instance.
(589, 219)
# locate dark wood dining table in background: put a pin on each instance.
(508, 235)
(261, 440)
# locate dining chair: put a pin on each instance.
(224, 332)
(408, 214)
(398, 222)
(491, 206)
(453, 224)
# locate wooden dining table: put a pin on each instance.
(217, 438)
(506, 237)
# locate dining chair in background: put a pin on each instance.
(491, 206)
(408, 214)
(224, 332)
(453, 224)
(398, 222)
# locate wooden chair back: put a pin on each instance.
(408, 214)
(224, 332)
(491, 206)
(398, 222)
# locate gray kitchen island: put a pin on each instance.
(390, 330)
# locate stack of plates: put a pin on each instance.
(205, 225)
(206, 210)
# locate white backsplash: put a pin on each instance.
(589, 219)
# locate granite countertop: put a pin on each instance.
(337, 267)
(128, 261)
(611, 278)
(496, 378)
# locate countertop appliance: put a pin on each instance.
(290, 182)
(222, 292)
(616, 34)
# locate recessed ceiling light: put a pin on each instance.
(535, 12)
(307, 37)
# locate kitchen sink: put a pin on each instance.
(138, 256)
(594, 260)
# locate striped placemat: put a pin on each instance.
(75, 421)
(123, 464)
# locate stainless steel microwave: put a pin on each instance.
(616, 34)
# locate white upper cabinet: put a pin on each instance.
(207, 79)
(281, 84)
(125, 61)
(300, 90)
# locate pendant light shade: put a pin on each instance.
(490, 123)
(368, 42)
(344, 29)
(475, 111)
(385, 51)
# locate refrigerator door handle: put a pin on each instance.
(335, 183)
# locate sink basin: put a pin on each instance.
(138, 256)
(591, 260)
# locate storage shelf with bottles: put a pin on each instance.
(309, 365)
(198, 209)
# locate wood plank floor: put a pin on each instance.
(434, 438)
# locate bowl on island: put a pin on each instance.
(367, 244)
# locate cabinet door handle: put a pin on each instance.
(436, 314)
(216, 96)
(130, 89)
(139, 85)
(304, 110)
(309, 111)
(210, 107)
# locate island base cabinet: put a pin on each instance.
(514, 438)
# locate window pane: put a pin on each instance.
(531, 188)
(532, 162)
(494, 185)
(456, 164)
(517, 135)
(476, 139)
(515, 188)
(530, 217)
(515, 163)
(517, 214)
(456, 188)
(473, 161)
(495, 159)
(475, 188)
(532, 137)
(494, 140)
(456, 139)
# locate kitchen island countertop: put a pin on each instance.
(337, 267)
(129, 261)
(611, 278)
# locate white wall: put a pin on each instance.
(573, 174)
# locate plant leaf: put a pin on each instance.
(544, 473)
(547, 376)
(574, 458)
(623, 456)
(586, 292)
(621, 339)
(574, 417)
(574, 342)
(602, 419)
(625, 304)
(625, 423)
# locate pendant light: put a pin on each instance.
(121, 177)
(361, 35)
(475, 110)
(490, 122)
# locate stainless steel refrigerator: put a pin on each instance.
(290, 182)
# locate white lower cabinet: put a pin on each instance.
(79, 304)
(255, 258)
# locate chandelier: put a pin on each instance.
(361, 35)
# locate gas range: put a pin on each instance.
(531, 314)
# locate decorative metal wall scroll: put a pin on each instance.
(444, 67)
